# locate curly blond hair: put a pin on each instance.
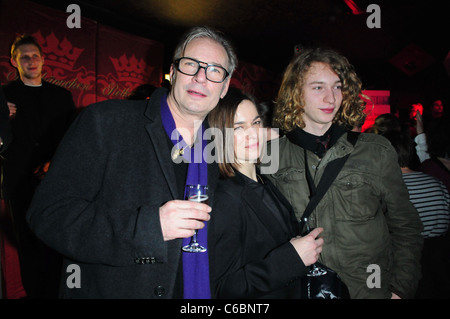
(289, 105)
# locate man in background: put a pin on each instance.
(41, 114)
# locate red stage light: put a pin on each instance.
(354, 7)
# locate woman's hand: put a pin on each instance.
(308, 247)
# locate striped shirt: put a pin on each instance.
(432, 201)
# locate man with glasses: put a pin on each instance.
(214, 73)
(112, 200)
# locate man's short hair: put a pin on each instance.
(209, 33)
(22, 40)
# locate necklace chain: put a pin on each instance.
(259, 179)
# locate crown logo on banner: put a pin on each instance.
(132, 69)
(59, 54)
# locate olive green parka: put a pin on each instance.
(371, 230)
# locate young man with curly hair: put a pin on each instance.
(367, 218)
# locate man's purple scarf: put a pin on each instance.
(195, 265)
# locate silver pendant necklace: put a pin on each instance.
(177, 152)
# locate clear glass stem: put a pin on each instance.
(194, 237)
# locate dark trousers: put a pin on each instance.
(435, 261)
(40, 266)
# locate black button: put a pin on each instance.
(159, 291)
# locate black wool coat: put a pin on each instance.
(99, 203)
(250, 252)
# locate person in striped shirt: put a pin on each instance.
(428, 194)
(431, 199)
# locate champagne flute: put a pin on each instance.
(195, 193)
(314, 270)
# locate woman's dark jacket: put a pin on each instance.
(250, 253)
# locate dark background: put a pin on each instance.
(406, 55)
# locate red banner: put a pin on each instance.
(126, 61)
(69, 53)
(94, 62)
(256, 80)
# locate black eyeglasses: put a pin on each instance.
(189, 66)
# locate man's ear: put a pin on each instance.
(172, 74)
(13, 63)
(225, 87)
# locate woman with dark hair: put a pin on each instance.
(385, 122)
(253, 243)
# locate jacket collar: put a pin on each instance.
(310, 142)
(264, 213)
(158, 136)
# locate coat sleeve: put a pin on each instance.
(5, 128)
(239, 271)
(404, 226)
(72, 212)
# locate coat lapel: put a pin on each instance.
(292, 218)
(277, 229)
(158, 137)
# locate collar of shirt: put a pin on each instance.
(316, 144)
